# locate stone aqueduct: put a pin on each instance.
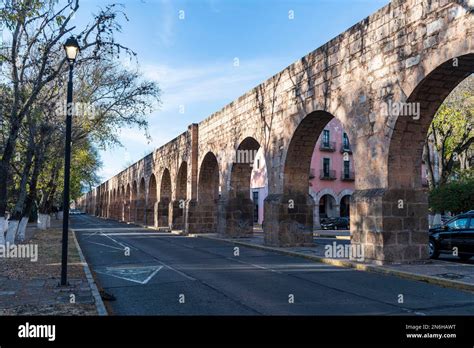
(410, 51)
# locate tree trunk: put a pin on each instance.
(22, 229)
(47, 203)
(11, 232)
(42, 222)
(5, 162)
(3, 228)
(20, 204)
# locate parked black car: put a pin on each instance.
(336, 223)
(455, 233)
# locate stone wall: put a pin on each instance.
(409, 52)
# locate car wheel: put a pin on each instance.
(464, 257)
(433, 250)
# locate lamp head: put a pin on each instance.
(72, 49)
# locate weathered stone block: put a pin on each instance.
(284, 228)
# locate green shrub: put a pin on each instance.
(456, 197)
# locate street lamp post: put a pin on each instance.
(72, 49)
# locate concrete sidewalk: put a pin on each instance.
(443, 273)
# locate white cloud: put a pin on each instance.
(220, 81)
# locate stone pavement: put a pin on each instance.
(31, 288)
(444, 273)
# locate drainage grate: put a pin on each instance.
(450, 275)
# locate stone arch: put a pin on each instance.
(113, 203)
(128, 203)
(300, 151)
(122, 204)
(151, 201)
(328, 206)
(102, 204)
(317, 200)
(179, 203)
(133, 202)
(409, 134)
(345, 192)
(165, 199)
(289, 215)
(240, 207)
(182, 181)
(141, 202)
(204, 216)
(242, 167)
(396, 216)
(345, 206)
(208, 180)
(344, 198)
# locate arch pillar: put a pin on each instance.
(177, 214)
(390, 225)
(236, 208)
(388, 218)
(288, 219)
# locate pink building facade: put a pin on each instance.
(258, 186)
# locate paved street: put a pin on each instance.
(167, 274)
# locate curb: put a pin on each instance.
(99, 304)
(455, 284)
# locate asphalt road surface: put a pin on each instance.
(155, 273)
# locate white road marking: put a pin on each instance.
(121, 244)
(108, 246)
(128, 234)
(132, 274)
(175, 270)
(110, 229)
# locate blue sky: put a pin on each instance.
(193, 59)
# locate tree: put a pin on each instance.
(456, 197)
(450, 142)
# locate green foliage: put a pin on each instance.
(456, 197)
(451, 132)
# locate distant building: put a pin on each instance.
(258, 186)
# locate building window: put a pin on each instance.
(326, 167)
(345, 141)
(255, 206)
(326, 138)
(346, 169)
